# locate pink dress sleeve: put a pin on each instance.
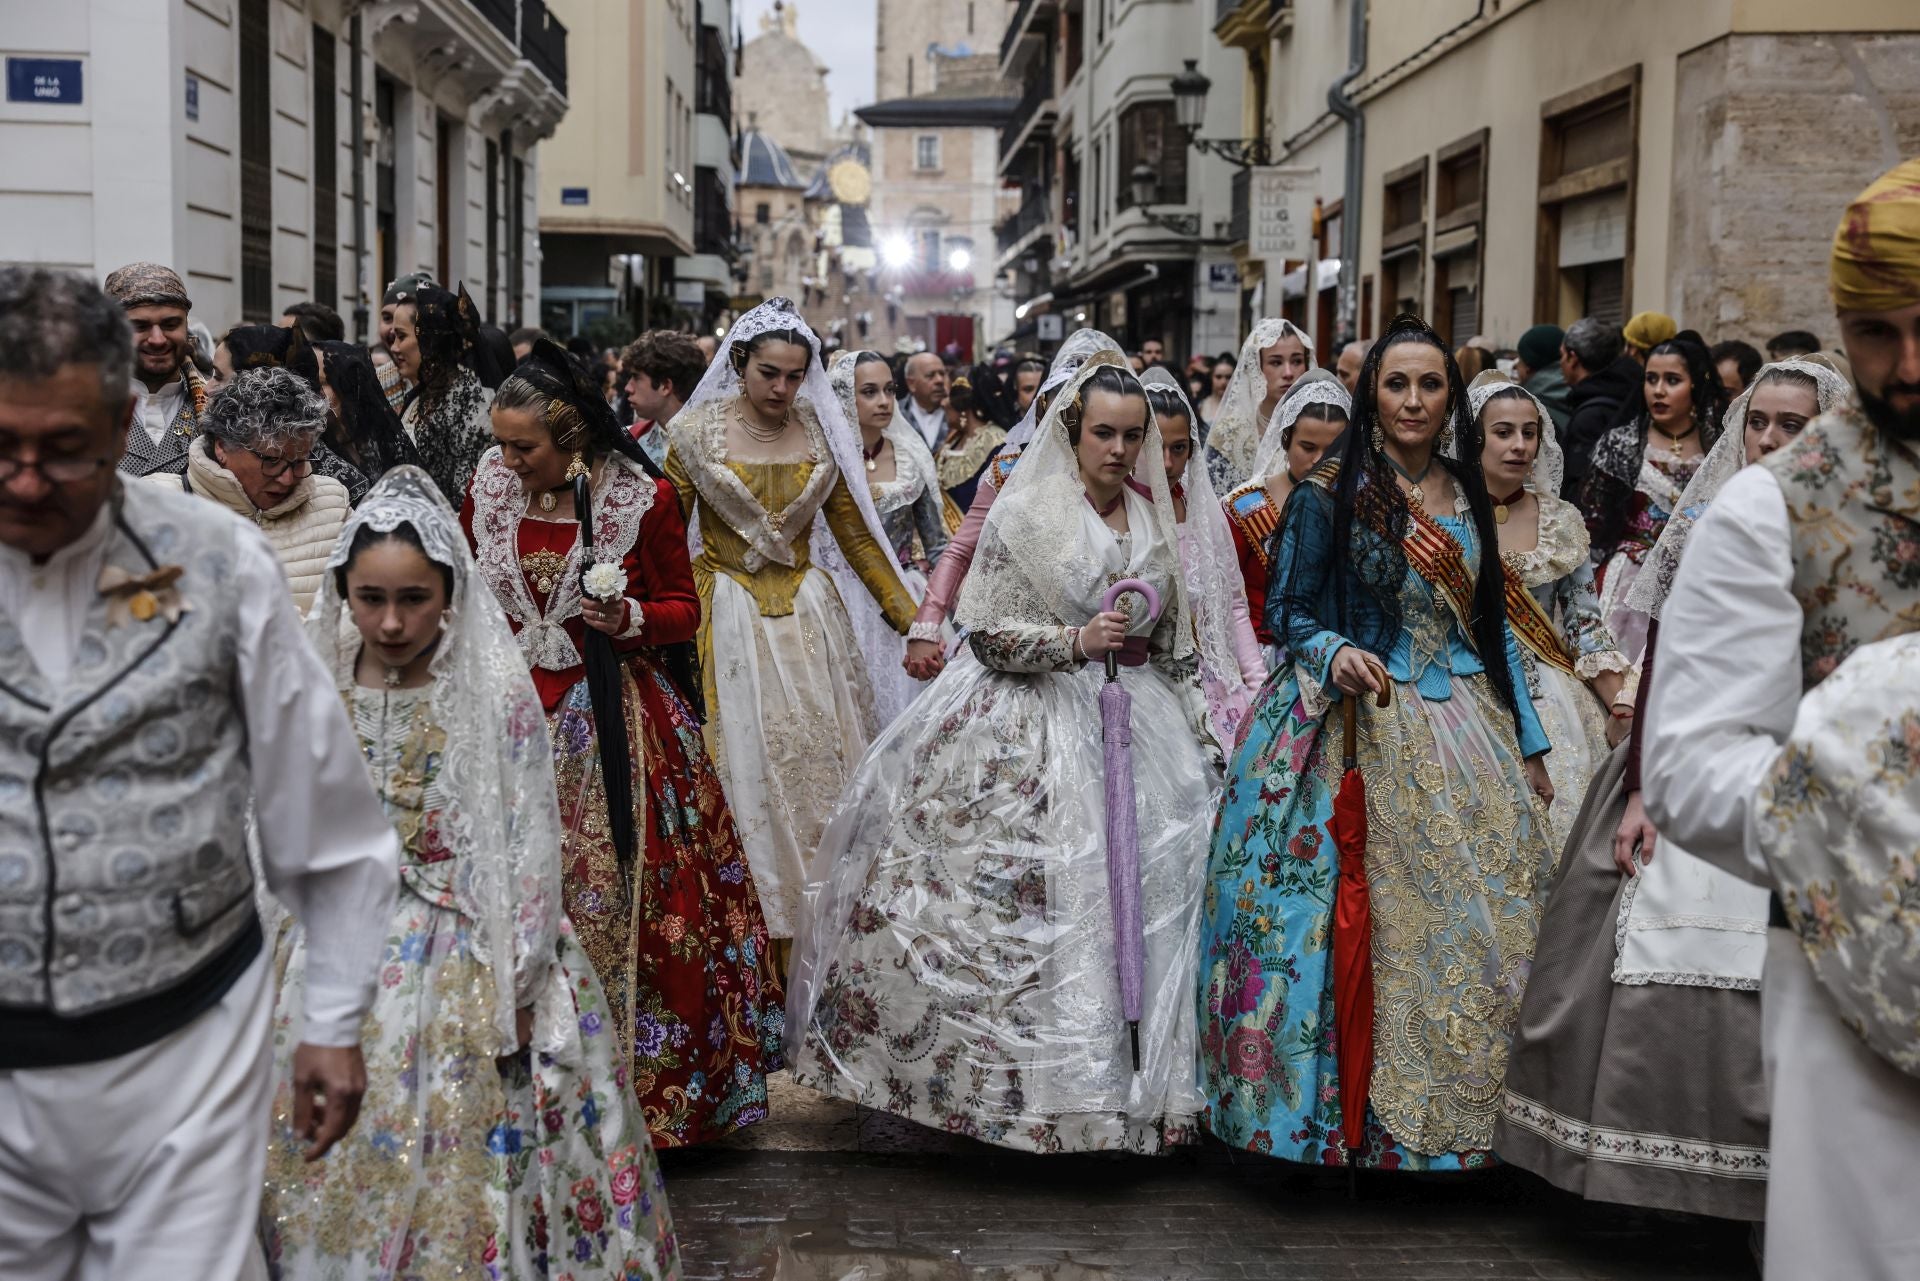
(1246, 646)
(943, 588)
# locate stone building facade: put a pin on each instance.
(217, 136)
(906, 31)
(783, 89)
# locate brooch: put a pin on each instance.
(141, 596)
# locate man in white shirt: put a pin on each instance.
(168, 394)
(157, 695)
(1800, 560)
(926, 402)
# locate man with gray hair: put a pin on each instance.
(1600, 379)
(156, 689)
(925, 405)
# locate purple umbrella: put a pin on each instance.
(1123, 830)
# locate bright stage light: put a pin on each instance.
(896, 252)
(959, 260)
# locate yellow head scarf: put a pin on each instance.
(1649, 329)
(1876, 251)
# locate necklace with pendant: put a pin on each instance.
(1502, 507)
(1416, 495)
(872, 454)
(1673, 439)
(548, 500)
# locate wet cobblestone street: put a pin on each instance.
(828, 1192)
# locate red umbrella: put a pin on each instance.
(1353, 931)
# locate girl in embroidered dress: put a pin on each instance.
(958, 967)
(977, 423)
(1388, 571)
(497, 1135)
(1309, 421)
(1574, 671)
(926, 638)
(659, 890)
(1636, 1071)
(906, 492)
(1231, 667)
(1639, 470)
(764, 456)
(1275, 354)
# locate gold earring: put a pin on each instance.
(577, 467)
(1379, 440)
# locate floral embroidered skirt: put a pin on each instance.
(958, 966)
(1576, 725)
(684, 955)
(460, 1164)
(1458, 863)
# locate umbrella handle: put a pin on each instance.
(1349, 729)
(1125, 585)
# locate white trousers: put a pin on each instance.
(145, 1165)
(1846, 1126)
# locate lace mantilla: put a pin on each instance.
(1236, 430)
(701, 444)
(622, 499)
(1079, 347)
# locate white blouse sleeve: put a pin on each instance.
(328, 851)
(1726, 677)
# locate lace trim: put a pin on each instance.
(636, 620)
(1697, 921)
(1588, 666)
(1559, 548)
(913, 470)
(924, 631)
(625, 496)
(1675, 978)
(701, 444)
(1635, 1147)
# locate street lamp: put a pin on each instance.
(959, 260)
(1144, 182)
(1190, 109)
(896, 252)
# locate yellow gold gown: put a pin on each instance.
(789, 702)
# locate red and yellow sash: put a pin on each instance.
(1436, 557)
(1532, 627)
(1252, 512)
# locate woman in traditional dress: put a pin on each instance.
(1231, 667)
(774, 470)
(1575, 672)
(959, 965)
(926, 638)
(977, 425)
(1636, 1072)
(1389, 570)
(497, 1136)
(1639, 470)
(659, 887)
(436, 344)
(362, 429)
(906, 492)
(1274, 355)
(1309, 421)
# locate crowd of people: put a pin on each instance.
(1074, 754)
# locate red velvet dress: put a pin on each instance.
(690, 968)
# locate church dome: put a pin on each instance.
(765, 163)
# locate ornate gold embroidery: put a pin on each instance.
(543, 568)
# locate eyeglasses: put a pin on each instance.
(274, 468)
(55, 471)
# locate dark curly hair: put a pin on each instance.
(978, 391)
(1370, 520)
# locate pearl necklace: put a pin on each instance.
(757, 433)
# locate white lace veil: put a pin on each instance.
(905, 439)
(1213, 577)
(1073, 353)
(1234, 434)
(1315, 387)
(1550, 463)
(1023, 571)
(1648, 592)
(722, 383)
(502, 815)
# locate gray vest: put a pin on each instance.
(123, 795)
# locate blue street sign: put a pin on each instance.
(49, 80)
(193, 96)
(573, 195)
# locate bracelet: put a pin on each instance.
(1073, 645)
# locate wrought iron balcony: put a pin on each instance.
(543, 39)
(1035, 211)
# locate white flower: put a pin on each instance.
(606, 581)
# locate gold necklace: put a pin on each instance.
(757, 433)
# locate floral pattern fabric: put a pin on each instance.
(1663, 478)
(536, 1165)
(1458, 863)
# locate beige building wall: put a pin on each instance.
(1737, 101)
(631, 129)
(782, 90)
(905, 28)
(958, 200)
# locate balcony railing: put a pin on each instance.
(712, 223)
(1038, 97)
(1238, 219)
(713, 96)
(544, 41)
(503, 14)
(1034, 211)
(1016, 26)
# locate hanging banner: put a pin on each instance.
(1280, 213)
